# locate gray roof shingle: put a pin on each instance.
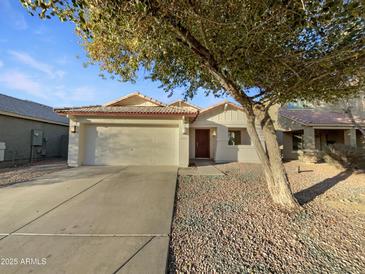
(30, 109)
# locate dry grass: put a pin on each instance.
(228, 224)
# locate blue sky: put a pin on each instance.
(42, 61)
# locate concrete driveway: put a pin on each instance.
(88, 220)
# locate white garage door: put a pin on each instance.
(130, 145)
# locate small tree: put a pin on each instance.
(287, 50)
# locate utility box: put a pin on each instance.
(37, 137)
(2, 151)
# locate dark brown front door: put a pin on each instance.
(202, 143)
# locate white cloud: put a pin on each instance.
(40, 30)
(19, 22)
(63, 60)
(60, 74)
(78, 95)
(28, 60)
(83, 93)
(16, 80)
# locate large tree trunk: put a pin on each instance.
(348, 111)
(280, 189)
(273, 167)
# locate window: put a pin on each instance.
(297, 141)
(234, 137)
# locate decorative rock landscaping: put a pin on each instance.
(228, 223)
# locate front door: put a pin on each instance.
(202, 143)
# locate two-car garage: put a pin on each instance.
(130, 144)
(132, 130)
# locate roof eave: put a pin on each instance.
(334, 125)
(125, 114)
(32, 118)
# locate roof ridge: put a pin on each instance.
(28, 109)
(26, 100)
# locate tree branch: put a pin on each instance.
(353, 121)
(208, 59)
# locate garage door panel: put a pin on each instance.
(131, 145)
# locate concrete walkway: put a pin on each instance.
(201, 168)
(89, 220)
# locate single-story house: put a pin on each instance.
(139, 130)
(308, 131)
(30, 131)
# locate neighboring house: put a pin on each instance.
(138, 130)
(308, 129)
(30, 131)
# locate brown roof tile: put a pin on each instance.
(315, 117)
(127, 110)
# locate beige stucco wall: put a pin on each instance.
(183, 105)
(77, 140)
(219, 120)
(288, 152)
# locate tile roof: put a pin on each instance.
(33, 110)
(127, 110)
(316, 117)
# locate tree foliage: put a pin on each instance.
(288, 50)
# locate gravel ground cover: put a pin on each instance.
(9, 176)
(228, 224)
